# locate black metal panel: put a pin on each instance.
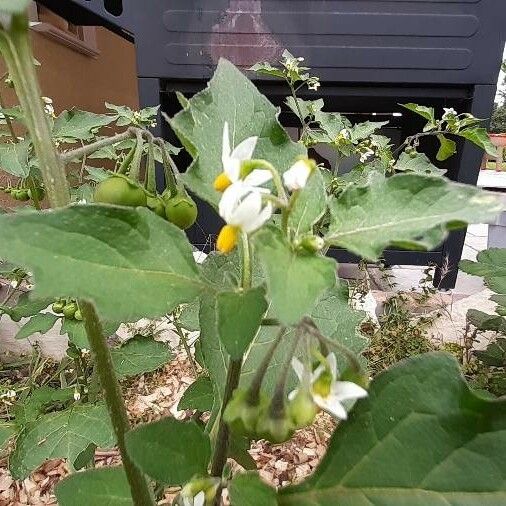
(412, 41)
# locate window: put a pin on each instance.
(49, 24)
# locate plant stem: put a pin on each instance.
(139, 487)
(33, 192)
(168, 167)
(78, 153)
(414, 137)
(181, 335)
(15, 46)
(301, 116)
(233, 375)
(223, 437)
(135, 167)
(150, 168)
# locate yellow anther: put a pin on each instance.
(227, 239)
(222, 182)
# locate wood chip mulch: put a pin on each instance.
(153, 396)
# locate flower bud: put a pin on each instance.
(302, 409)
(242, 415)
(275, 429)
(312, 243)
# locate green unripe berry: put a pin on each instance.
(78, 316)
(69, 310)
(181, 211)
(275, 429)
(58, 306)
(156, 204)
(302, 409)
(121, 191)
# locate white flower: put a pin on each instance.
(449, 112)
(328, 393)
(198, 500)
(77, 395)
(48, 106)
(243, 210)
(295, 178)
(232, 161)
(313, 83)
(364, 156)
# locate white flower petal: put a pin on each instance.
(331, 359)
(346, 390)
(331, 405)
(199, 499)
(258, 177)
(244, 151)
(246, 210)
(256, 222)
(232, 169)
(298, 367)
(231, 198)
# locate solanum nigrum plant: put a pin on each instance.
(278, 341)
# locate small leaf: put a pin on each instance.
(485, 322)
(491, 266)
(79, 125)
(447, 148)
(199, 395)
(129, 262)
(139, 355)
(479, 136)
(27, 305)
(425, 112)
(309, 206)
(14, 158)
(308, 108)
(494, 355)
(169, 451)
(42, 323)
(413, 441)
(419, 164)
(230, 96)
(364, 130)
(107, 486)
(239, 316)
(247, 489)
(188, 316)
(406, 209)
(295, 281)
(62, 434)
(266, 69)
(7, 430)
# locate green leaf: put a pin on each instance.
(62, 434)
(308, 108)
(309, 206)
(139, 355)
(247, 489)
(188, 316)
(230, 96)
(479, 136)
(491, 266)
(7, 430)
(42, 323)
(422, 438)
(107, 486)
(239, 447)
(332, 123)
(485, 322)
(76, 125)
(337, 320)
(494, 355)
(425, 112)
(14, 158)
(169, 451)
(419, 164)
(295, 281)
(364, 130)
(29, 409)
(447, 148)
(27, 305)
(13, 6)
(199, 395)
(239, 316)
(130, 262)
(266, 69)
(409, 210)
(97, 175)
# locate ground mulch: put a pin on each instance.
(156, 395)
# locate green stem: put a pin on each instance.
(77, 154)
(246, 262)
(15, 46)
(223, 437)
(276, 178)
(139, 487)
(34, 192)
(187, 350)
(125, 164)
(168, 167)
(150, 169)
(135, 168)
(301, 116)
